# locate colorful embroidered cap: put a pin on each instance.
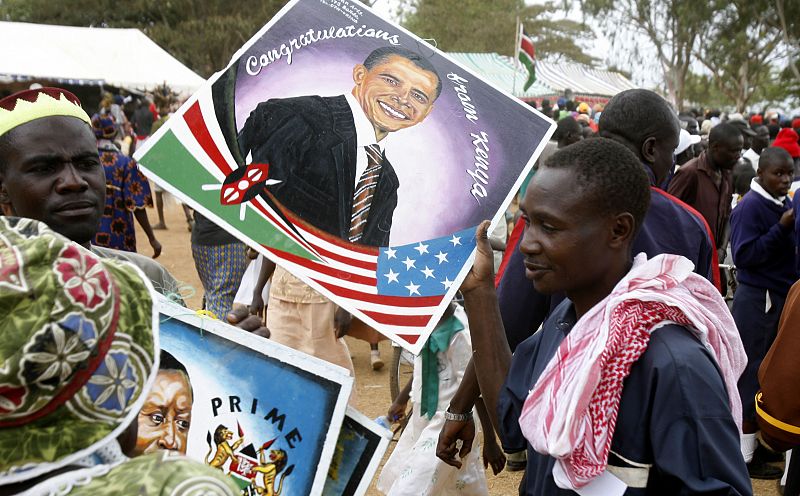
(78, 349)
(104, 126)
(25, 106)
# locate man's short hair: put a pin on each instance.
(566, 126)
(774, 155)
(169, 362)
(634, 115)
(723, 133)
(609, 173)
(380, 55)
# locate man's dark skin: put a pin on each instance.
(691, 125)
(50, 171)
(760, 140)
(724, 154)
(585, 286)
(655, 152)
(568, 132)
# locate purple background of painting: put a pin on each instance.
(431, 158)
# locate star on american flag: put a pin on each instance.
(427, 268)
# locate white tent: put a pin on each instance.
(124, 58)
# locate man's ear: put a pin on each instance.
(649, 150)
(622, 229)
(4, 199)
(359, 73)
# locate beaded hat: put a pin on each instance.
(25, 106)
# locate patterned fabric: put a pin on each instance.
(75, 356)
(220, 268)
(25, 106)
(104, 126)
(157, 474)
(572, 410)
(126, 190)
(365, 189)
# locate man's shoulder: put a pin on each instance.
(671, 206)
(162, 280)
(675, 346)
(689, 168)
(306, 105)
(312, 114)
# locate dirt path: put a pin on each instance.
(372, 387)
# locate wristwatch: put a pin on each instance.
(458, 417)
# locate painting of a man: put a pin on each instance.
(166, 415)
(327, 152)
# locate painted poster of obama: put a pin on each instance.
(328, 154)
(353, 154)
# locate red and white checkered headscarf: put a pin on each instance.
(572, 410)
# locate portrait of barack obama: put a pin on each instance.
(327, 152)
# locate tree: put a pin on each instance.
(673, 27)
(481, 26)
(203, 34)
(741, 49)
(787, 15)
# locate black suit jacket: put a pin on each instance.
(309, 143)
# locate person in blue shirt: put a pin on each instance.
(674, 432)
(644, 123)
(763, 249)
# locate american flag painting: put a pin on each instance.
(459, 161)
(399, 290)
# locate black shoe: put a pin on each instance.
(758, 469)
(767, 455)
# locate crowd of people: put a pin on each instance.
(606, 345)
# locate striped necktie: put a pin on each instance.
(365, 189)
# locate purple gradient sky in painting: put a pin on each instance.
(430, 158)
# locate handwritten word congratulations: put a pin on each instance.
(480, 174)
(255, 64)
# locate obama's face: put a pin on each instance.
(394, 94)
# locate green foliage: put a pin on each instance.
(672, 27)
(741, 43)
(490, 26)
(741, 50)
(203, 34)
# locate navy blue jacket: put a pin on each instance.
(763, 250)
(674, 415)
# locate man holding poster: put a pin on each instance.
(326, 151)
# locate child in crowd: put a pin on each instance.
(413, 468)
(763, 250)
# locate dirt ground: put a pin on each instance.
(372, 387)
